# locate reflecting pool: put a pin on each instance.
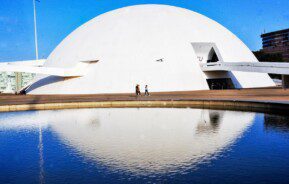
(143, 145)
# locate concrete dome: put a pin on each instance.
(158, 45)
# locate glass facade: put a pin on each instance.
(14, 80)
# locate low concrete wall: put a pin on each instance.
(208, 104)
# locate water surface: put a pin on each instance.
(149, 145)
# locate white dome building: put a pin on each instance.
(158, 45)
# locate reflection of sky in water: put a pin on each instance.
(131, 143)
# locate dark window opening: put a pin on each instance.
(212, 56)
(221, 83)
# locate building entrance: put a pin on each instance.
(220, 83)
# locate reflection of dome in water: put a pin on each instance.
(147, 140)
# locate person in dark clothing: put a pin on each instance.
(137, 90)
(146, 91)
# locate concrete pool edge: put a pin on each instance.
(251, 106)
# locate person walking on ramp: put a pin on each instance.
(146, 91)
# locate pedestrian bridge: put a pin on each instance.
(261, 67)
(77, 71)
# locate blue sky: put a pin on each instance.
(57, 18)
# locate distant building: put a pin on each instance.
(276, 42)
(11, 82)
(15, 80)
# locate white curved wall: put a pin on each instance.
(128, 41)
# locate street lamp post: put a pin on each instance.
(35, 31)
